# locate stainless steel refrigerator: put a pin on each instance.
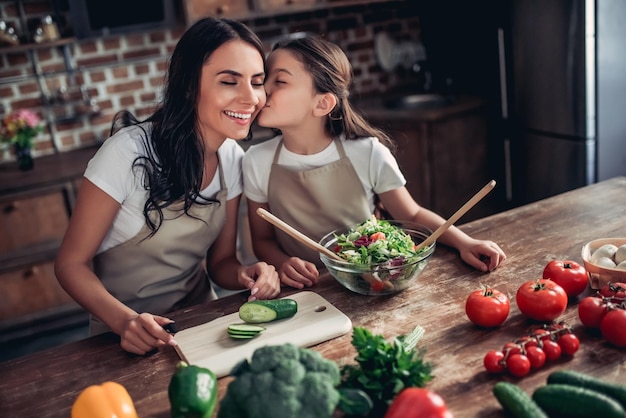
(563, 95)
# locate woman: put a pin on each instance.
(161, 196)
(328, 166)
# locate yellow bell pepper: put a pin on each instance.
(108, 400)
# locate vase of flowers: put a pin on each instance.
(19, 128)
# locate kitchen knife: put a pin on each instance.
(192, 320)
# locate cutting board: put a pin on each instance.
(208, 345)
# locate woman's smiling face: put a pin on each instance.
(231, 92)
(290, 91)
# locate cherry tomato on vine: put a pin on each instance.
(552, 350)
(536, 356)
(569, 344)
(493, 362)
(542, 334)
(570, 275)
(511, 348)
(416, 402)
(591, 310)
(487, 307)
(518, 365)
(615, 291)
(541, 300)
(613, 327)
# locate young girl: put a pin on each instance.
(328, 165)
(161, 196)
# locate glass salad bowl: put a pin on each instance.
(377, 268)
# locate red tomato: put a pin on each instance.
(418, 403)
(512, 348)
(542, 334)
(493, 362)
(536, 356)
(613, 327)
(518, 365)
(571, 276)
(487, 308)
(552, 350)
(615, 291)
(569, 344)
(591, 310)
(377, 236)
(541, 300)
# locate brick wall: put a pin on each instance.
(126, 72)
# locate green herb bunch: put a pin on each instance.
(384, 367)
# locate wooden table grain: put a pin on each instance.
(45, 384)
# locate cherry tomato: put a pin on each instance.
(541, 300)
(528, 341)
(570, 275)
(376, 236)
(552, 350)
(613, 327)
(487, 308)
(536, 356)
(542, 334)
(416, 402)
(512, 348)
(591, 310)
(493, 362)
(615, 291)
(518, 365)
(569, 344)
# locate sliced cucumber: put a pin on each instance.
(244, 331)
(260, 311)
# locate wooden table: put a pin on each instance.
(46, 383)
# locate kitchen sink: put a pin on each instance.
(418, 100)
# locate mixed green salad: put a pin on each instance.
(375, 242)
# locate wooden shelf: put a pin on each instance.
(33, 46)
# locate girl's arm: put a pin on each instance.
(226, 270)
(91, 219)
(293, 271)
(483, 255)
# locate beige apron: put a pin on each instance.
(164, 272)
(316, 201)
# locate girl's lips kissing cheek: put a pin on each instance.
(240, 118)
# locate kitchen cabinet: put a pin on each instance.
(35, 207)
(442, 151)
(197, 9)
(250, 9)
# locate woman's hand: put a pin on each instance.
(483, 255)
(262, 280)
(298, 273)
(144, 332)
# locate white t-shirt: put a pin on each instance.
(111, 170)
(374, 164)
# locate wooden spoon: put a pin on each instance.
(309, 242)
(457, 215)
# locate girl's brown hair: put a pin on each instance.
(332, 73)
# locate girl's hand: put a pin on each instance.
(298, 273)
(262, 280)
(144, 333)
(483, 255)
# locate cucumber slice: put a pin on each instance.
(242, 337)
(260, 311)
(246, 328)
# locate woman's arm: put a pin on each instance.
(226, 270)
(91, 219)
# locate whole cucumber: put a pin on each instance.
(261, 311)
(572, 401)
(516, 402)
(570, 377)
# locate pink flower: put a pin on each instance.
(28, 116)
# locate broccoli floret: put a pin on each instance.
(283, 381)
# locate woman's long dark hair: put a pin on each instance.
(332, 73)
(174, 165)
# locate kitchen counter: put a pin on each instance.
(47, 383)
(374, 106)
